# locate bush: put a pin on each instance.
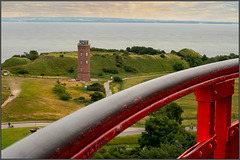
(109, 70)
(61, 56)
(119, 61)
(130, 69)
(81, 100)
(100, 74)
(178, 66)
(60, 90)
(21, 71)
(96, 87)
(16, 55)
(32, 55)
(117, 79)
(96, 96)
(71, 70)
(162, 55)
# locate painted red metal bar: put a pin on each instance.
(144, 112)
(202, 150)
(81, 133)
(217, 121)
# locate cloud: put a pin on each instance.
(167, 10)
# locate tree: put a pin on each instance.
(117, 79)
(178, 66)
(158, 130)
(204, 58)
(172, 111)
(166, 151)
(42, 74)
(32, 55)
(96, 87)
(96, 96)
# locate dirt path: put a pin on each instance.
(14, 85)
(107, 88)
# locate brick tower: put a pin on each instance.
(83, 61)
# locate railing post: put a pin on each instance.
(206, 114)
(224, 91)
(221, 93)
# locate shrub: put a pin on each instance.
(117, 79)
(162, 55)
(96, 96)
(81, 100)
(130, 69)
(21, 71)
(61, 56)
(178, 66)
(109, 70)
(32, 55)
(96, 87)
(16, 55)
(100, 74)
(60, 90)
(119, 61)
(71, 70)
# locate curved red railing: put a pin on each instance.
(83, 132)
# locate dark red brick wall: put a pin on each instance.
(83, 62)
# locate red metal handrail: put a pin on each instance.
(83, 132)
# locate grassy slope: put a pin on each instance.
(4, 92)
(15, 61)
(37, 102)
(12, 135)
(52, 65)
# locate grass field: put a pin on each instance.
(12, 135)
(37, 101)
(4, 92)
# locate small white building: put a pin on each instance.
(5, 73)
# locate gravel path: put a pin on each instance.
(107, 88)
(15, 90)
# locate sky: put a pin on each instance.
(219, 11)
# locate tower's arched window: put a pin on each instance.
(86, 54)
(80, 69)
(81, 62)
(81, 54)
(86, 62)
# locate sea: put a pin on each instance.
(208, 39)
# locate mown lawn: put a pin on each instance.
(37, 101)
(12, 135)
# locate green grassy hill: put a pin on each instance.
(51, 64)
(15, 61)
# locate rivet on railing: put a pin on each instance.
(210, 146)
(215, 92)
(215, 142)
(200, 154)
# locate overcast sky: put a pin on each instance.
(158, 10)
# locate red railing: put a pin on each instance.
(82, 133)
(216, 137)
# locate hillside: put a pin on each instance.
(65, 63)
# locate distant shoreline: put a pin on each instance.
(103, 20)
